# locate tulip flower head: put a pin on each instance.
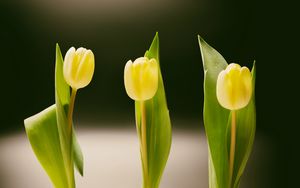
(78, 67)
(234, 87)
(141, 78)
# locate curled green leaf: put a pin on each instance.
(42, 133)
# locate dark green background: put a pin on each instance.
(116, 31)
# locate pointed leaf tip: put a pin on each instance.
(199, 38)
(201, 41)
(254, 65)
(153, 51)
(57, 48)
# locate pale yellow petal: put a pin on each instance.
(234, 87)
(141, 78)
(129, 80)
(233, 66)
(80, 53)
(79, 67)
(150, 80)
(85, 69)
(246, 86)
(224, 89)
(68, 63)
(140, 61)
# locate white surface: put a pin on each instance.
(111, 159)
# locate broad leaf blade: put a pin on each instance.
(214, 116)
(159, 133)
(62, 99)
(42, 133)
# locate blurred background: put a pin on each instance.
(120, 30)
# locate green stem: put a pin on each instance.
(144, 144)
(232, 146)
(71, 109)
(70, 129)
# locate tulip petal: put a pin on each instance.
(233, 66)
(68, 63)
(150, 79)
(141, 78)
(246, 85)
(79, 67)
(234, 87)
(224, 88)
(85, 70)
(129, 80)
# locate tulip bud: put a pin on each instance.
(234, 87)
(141, 78)
(78, 67)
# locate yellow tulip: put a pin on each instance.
(141, 78)
(78, 67)
(234, 87)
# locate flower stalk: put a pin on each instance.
(144, 152)
(232, 145)
(70, 129)
(71, 109)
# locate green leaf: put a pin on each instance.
(70, 148)
(43, 136)
(214, 116)
(62, 149)
(159, 133)
(217, 122)
(42, 133)
(62, 100)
